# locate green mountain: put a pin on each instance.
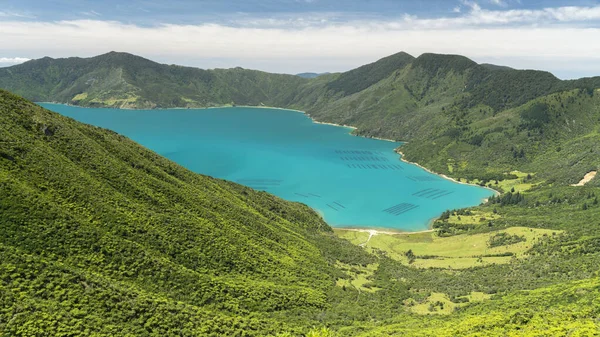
(468, 120)
(129, 81)
(553, 135)
(101, 236)
(361, 78)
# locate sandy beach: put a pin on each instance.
(378, 231)
(332, 124)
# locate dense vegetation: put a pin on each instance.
(125, 80)
(98, 235)
(102, 235)
(361, 78)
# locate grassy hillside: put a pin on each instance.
(399, 106)
(98, 232)
(361, 78)
(99, 235)
(129, 81)
(412, 99)
(555, 136)
(567, 310)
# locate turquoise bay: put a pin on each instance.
(351, 181)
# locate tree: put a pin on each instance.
(411, 256)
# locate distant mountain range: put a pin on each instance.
(447, 101)
(311, 75)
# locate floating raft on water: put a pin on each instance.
(400, 208)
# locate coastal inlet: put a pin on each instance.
(351, 181)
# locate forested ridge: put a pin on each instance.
(129, 81)
(448, 108)
(101, 236)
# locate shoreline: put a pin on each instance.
(178, 108)
(397, 151)
(381, 231)
(345, 126)
(327, 123)
(445, 176)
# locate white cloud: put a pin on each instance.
(303, 20)
(91, 13)
(322, 43)
(471, 14)
(4, 14)
(471, 4)
(482, 17)
(12, 60)
(498, 2)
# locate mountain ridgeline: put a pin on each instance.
(125, 80)
(100, 236)
(449, 108)
(128, 81)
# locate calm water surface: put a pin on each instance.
(352, 181)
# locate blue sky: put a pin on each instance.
(150, 12)
(307, 35)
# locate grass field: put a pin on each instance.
(440, 303)
(358, 276)
(456, 252)
(80, 97)
(519, 184)
(114, 101)
(477, 218)
(436, 303)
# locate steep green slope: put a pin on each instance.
(410, 102)
(555, 136)
(94, 228)
(101, 236)
(399, 106)
(361, 78)
(567, 310)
